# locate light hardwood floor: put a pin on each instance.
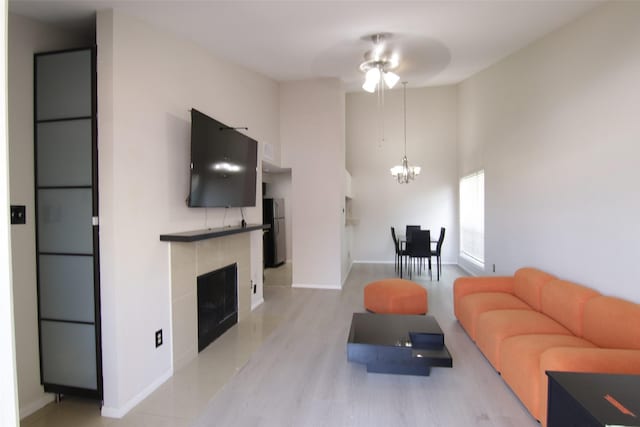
(286, 366)
(279, 276)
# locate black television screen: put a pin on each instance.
(223, 164)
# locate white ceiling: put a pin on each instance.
(440, 42)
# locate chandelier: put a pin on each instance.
(405, 173)
(378, 65)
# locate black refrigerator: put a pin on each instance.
(275, 249)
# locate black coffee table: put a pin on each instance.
(397, 343)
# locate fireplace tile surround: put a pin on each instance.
(188, 261)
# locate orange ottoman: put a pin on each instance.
(395, 296)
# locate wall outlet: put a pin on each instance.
(158, 338)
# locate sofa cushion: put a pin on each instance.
(472, 305)
(612, 322)
(520, 365)
(493, 327)
(464, 286)
(564, 302)
(527, 285)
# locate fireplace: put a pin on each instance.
(217, 303)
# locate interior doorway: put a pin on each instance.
(277, 211)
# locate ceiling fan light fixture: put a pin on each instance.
(394, 61)
(390, 79)
(373, 75)
(378, 64)
(370, 86)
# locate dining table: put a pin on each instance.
(402, 240)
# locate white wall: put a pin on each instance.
(27, 37)
(556, 128)
(148, 80)
(8, 380)
(380, 202)
(279, 187)
(312, 145)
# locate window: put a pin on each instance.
(472, 217)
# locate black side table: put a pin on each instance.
(586, 400)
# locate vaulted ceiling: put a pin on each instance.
(440, 42)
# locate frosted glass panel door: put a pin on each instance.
(66, 223)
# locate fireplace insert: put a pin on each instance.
(217, 303)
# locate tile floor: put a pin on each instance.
(184, 396)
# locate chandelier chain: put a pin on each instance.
(405, 173)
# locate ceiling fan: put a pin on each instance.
(379, 64)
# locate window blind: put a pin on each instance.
(472, 216)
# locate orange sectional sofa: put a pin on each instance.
(534, 322)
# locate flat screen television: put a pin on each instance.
(223, 165)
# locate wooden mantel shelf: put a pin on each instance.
(210, 233)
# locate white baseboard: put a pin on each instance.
(257, 304)
(393, 262)
(469, 267)
(464, 269)
(32, 407)
(121, 411)
(312, 286)
(346, 276)
(364, 261)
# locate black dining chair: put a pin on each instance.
(400, 252)
(418, 249)
(409, 230)
(407, 234)
(438, 252)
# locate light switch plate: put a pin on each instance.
(18, 214)
(158, 338)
